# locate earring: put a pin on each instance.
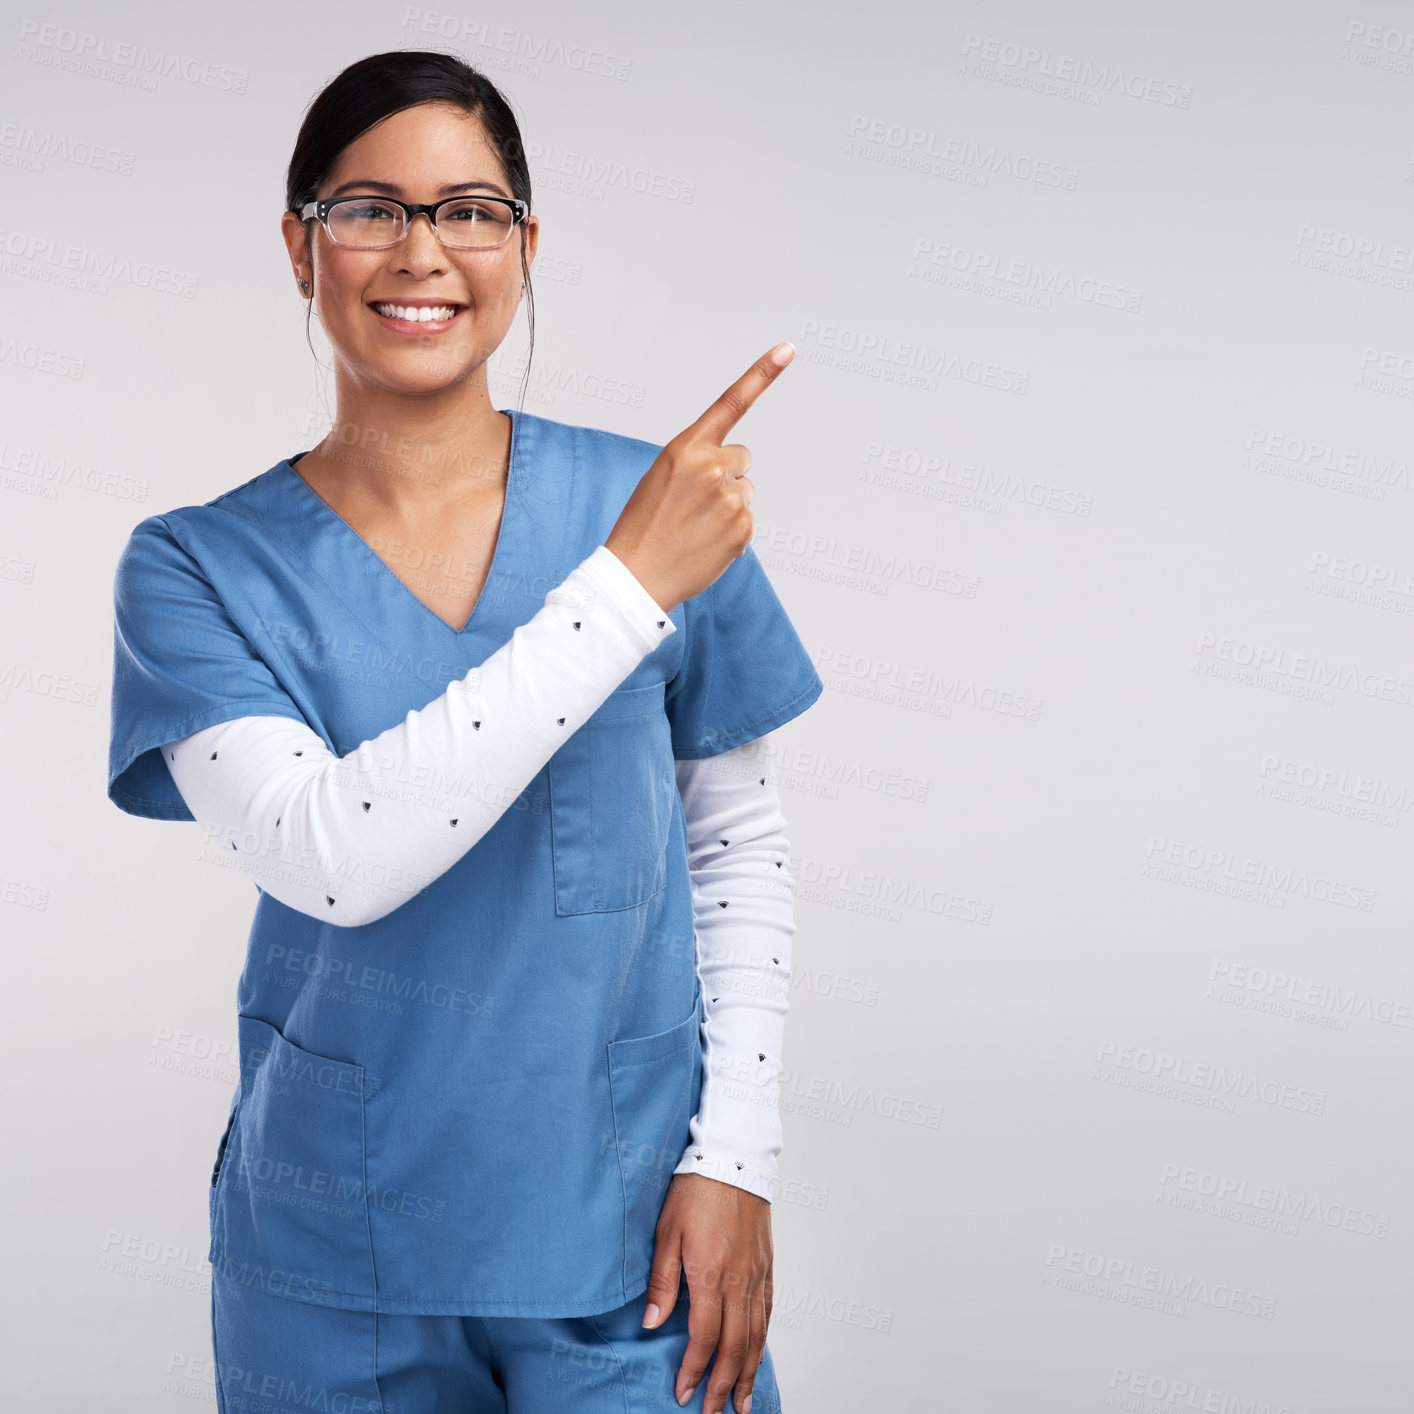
(304, 285)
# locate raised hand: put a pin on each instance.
(688, 517)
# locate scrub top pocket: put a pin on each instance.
(290, 1200)
(225, 1140)
(656, 1085)
(612, 793)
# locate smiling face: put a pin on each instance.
(416, 155)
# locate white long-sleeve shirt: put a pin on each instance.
(271, 790)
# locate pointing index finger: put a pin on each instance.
(733, 405)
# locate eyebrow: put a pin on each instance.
(392, 189)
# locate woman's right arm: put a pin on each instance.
(282, 799)
(347, 839)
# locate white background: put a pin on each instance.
(1089, 490)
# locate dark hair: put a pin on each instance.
(383, 84)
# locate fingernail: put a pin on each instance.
(746, 1408)
(782, 354)
(682, 1399)
(650, 1316)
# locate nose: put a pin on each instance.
(419, 246)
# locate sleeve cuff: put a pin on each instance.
(725, 1169)
(615, 578)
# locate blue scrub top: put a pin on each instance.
(474, 1105)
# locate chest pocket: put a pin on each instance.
(612, 790)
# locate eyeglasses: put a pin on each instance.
(373, 222)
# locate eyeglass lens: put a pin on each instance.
(371, 223)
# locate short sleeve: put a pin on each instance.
(179, 664)
(744, 670)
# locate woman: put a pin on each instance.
(476, 698)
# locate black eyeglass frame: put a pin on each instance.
(319, 211)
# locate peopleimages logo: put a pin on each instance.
(1268, 1199)
(1030, 60)
(1283, 880)
(1203, 1076)
(343, 1195)
(1305, 669)
(1305, 991)
(930, 152)
(1130, 1387)
(1122, 1279)
(121, 60)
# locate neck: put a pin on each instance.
(406, 459)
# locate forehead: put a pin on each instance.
(419, 149)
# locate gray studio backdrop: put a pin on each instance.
(1090, 493)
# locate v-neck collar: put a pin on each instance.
(319, 508)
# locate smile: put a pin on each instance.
(423, 318)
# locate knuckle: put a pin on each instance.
(733, 401)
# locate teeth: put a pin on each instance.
(413, 313)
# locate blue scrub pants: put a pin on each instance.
(276, 1355)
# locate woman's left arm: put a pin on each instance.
(743, 897)
(715, 1223)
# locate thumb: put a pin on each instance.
(662, 1291)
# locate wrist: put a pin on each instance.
(653, 584)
